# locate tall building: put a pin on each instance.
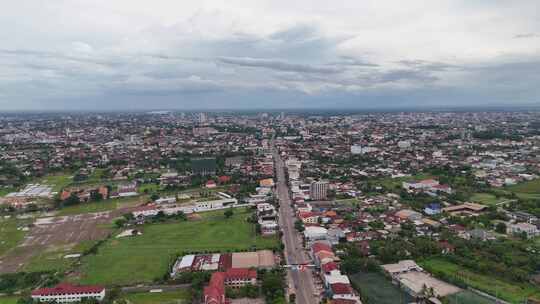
(202, 118)
(319, 190)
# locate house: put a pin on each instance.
(529, 230)
(410, 215)
(309, 217)
(432, 209)
(67, 293)
(315, 233)
(472, 209)
(214, 293)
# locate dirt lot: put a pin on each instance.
(54, 231)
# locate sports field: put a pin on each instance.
(144, 258)
(510, 291)
(487, 199)
(529, 187)
(377, 289)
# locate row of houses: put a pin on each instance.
(337, 286)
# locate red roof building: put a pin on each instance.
(214, 293)
(66, 292)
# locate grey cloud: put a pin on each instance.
(277, 65)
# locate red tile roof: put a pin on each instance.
(341, 288)
(65, 288)
(330, 266)
(215, 291)
(319, 246)
(240, 273)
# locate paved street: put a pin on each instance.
(302, 281)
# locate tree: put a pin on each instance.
(500, 228)
(154, 197)
(228, 213)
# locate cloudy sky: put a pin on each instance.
(132, 54)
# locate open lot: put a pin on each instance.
(509, 291)
(57, 181)
(487, 199)
(144, 258)
(51, 233)
(101, 206)
(10, 236)
(166, 297)
(377, 289)
(529, 187)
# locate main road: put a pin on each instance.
(302, 280)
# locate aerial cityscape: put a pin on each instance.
(270, 152)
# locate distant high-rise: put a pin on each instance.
(202, 118)
(319, 190)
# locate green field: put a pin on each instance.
(176, 297)
(9, 235)
(100, 206)
(506, 290)
(376, 289)
(529, 187)
(52, 258)
(467, 297)
(8, 300)
(144, 258)
(487, 199)
(57, 181)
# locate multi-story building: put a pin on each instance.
(319, 190)
(67, 293)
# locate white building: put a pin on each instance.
(529, 229)
(67, 293)
(318, 190)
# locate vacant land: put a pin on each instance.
(57, 181)
(509, 291)
(376, 289)
(100, 206)
(172, 297)
(529, 187)
(487, 199)
(54, 257)
(10, 236)
(147, 257)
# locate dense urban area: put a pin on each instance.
(275, 207)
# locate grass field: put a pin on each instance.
(100, 206)
(8, 300)
(376, 289)
(9, 235)
(57, 181)
(467, 297)
(486, 199)
(144, 258)
(529, 187)
(53, 257)
(176, 297)
(506, 290)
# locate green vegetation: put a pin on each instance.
(176, 297)
(467, 297)
(147, 257)
(8, 300)
(487, 198)
(10, 236)
(57, 181)
(52, 259)
(529, 187)
(510, 291)
(376, 289)
(99, 206)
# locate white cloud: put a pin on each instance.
(62, 48)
